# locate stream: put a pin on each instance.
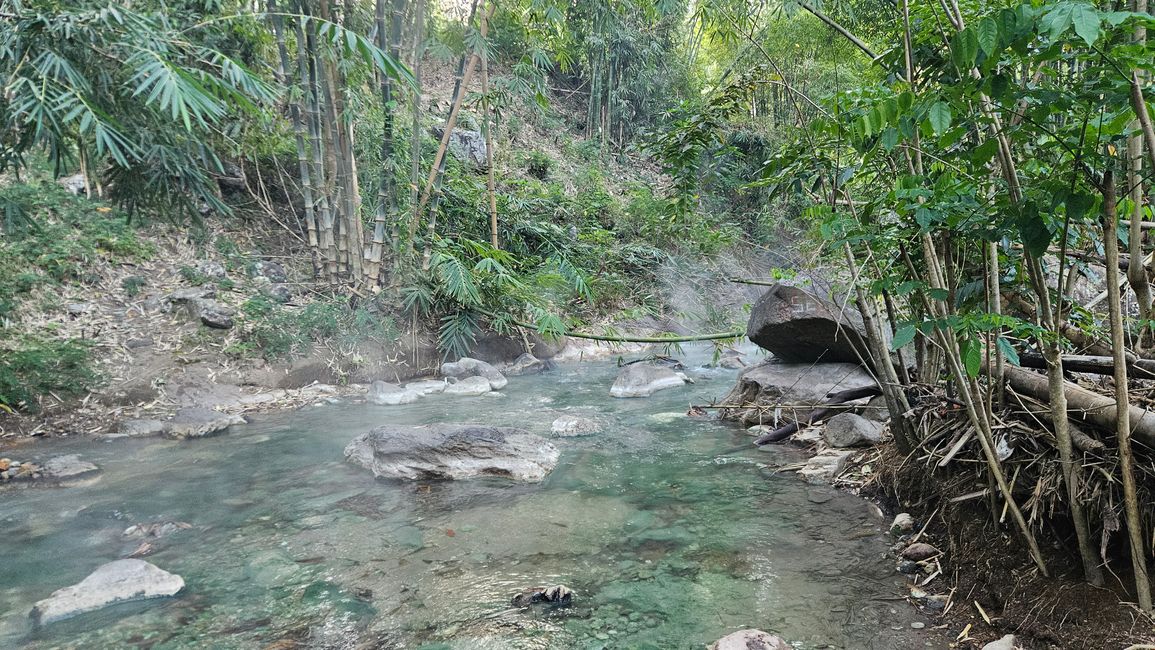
(668, 537)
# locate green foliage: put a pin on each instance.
(32, 367)
(279, 332)
(58, 238)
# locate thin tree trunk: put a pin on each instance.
(386, 189)
(1122, 398)
(487, 125)
(415, 136)
(1136, 273)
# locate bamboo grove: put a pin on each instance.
(1004, 154)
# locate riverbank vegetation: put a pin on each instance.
(973, 176)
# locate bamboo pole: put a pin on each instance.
(1122, 398)
(487, 125)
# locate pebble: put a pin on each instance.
(917, 625)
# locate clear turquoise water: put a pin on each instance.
(668, 541)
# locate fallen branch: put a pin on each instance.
(1093, 364)
(834, 401)
(1088, 406)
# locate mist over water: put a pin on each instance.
(667, 541)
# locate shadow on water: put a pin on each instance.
(668, 542)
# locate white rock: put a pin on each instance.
(750, 640)
(644, 379)
(1005, 643)
(573, 425)
(824, 467)
(470, 386)
(427, 386)
(115, 582)
(903, 523)
(851, 430)
(467, 367)
(386, 394)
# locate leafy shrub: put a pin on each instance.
(277, 332)
(52, 236)
(539, 165)
(32, 367)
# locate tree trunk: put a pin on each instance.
(487, 125)
(1123, 425)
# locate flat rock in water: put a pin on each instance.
(645, 379)
(197, 422)
(750, 640)
(799, 327)
(574, 425)
(115, 582)
(466, 367)
(470, 386)
(386, 394)
(142, 428)
(851, 430)
(452, 451)
(68, 468)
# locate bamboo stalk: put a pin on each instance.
(1122, 398)
(487, 126)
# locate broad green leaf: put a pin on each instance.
(1035, 233)
(889, 138)
(903, 336)
(1009, 351)
(1087, 23)
(964, 49)
(940, 117)
(972, 353)
(987, 31)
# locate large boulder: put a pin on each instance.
(799, 327)
(198, 422)
(467, 146)
(115, 582)
(750, 640)
(645, 379)
(386, 394)
(852, 430)
(469, 367)
(795, 387)
(469, 387)
(526, 364)
(452, 451)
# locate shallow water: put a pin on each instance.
(668, 541)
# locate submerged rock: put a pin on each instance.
(470, 386)
(115, 582)
(452, 451)
(644, 379)
(574, 425)
(466, 367)
(557, 594)
(799, 327)
(386, 394)
(197, 422)
(750, 640)
(851, 430)
(68, 468)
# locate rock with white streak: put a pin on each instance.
(645, 379)
(115, 582)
